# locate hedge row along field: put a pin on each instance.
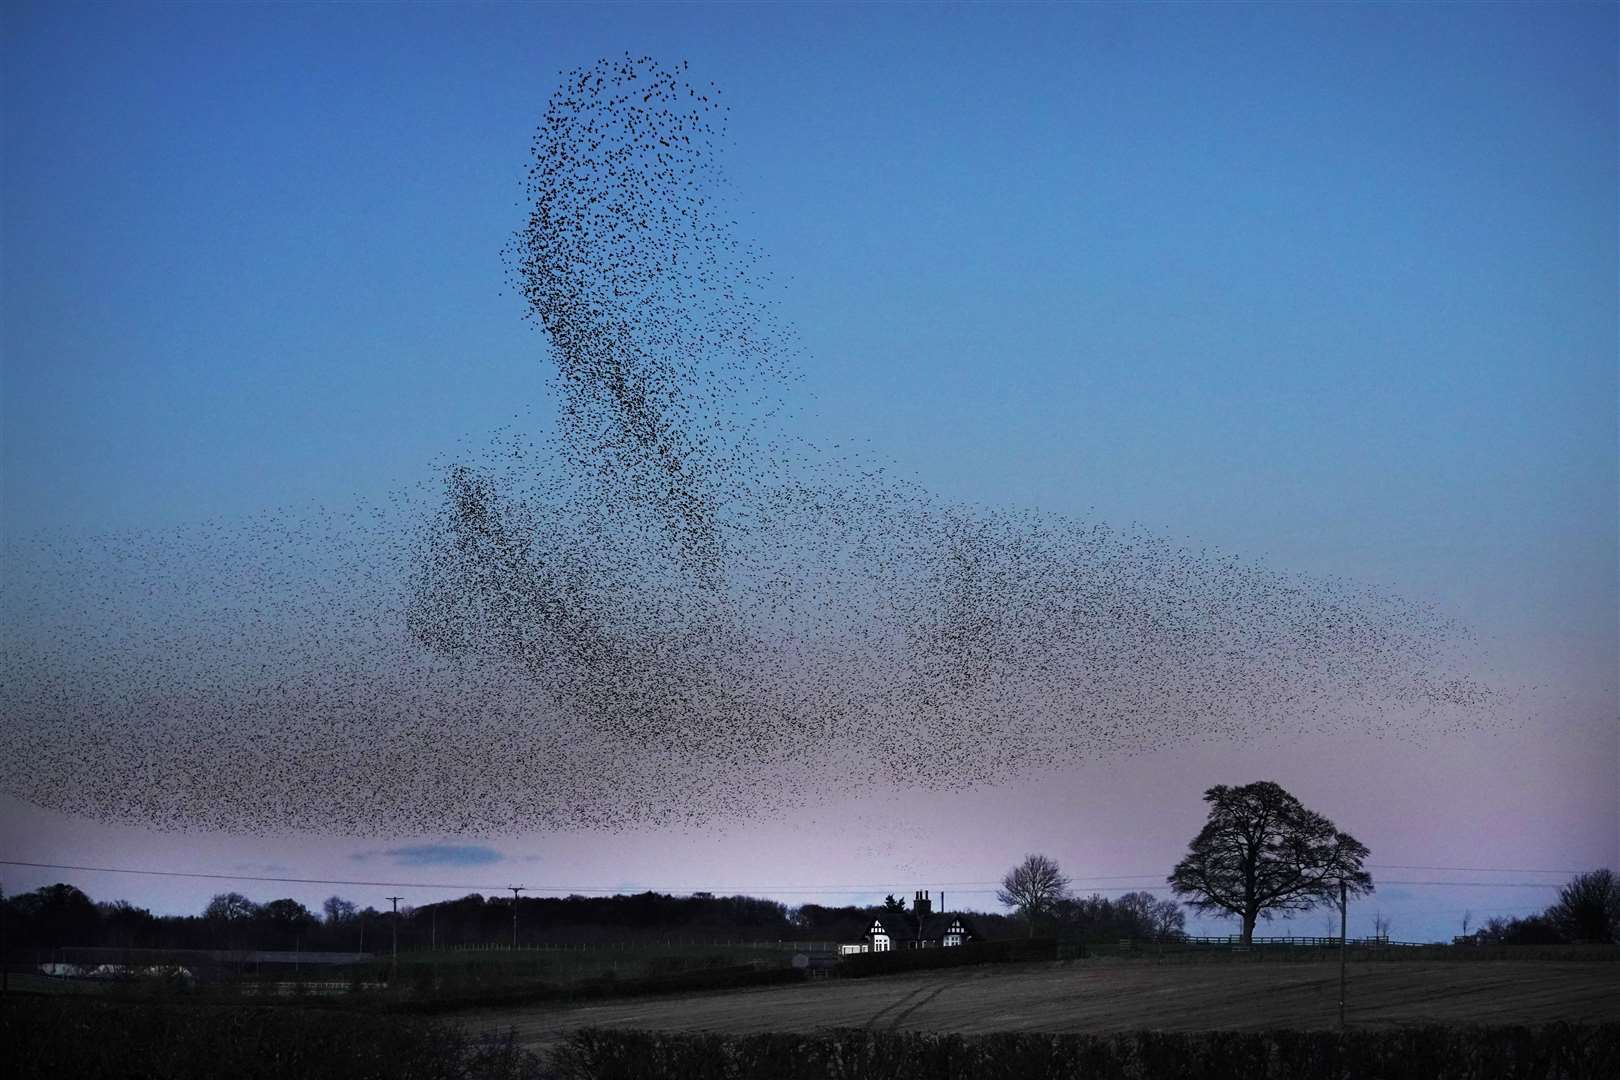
(427, 989)
(1552, 1052)
(858, 965)
(53, 1038)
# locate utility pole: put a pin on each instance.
(395, 924)
(515, 890)
(1343, 947)
(5, 969)
(433, 929)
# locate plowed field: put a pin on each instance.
(1112, 996)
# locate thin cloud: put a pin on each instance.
(436, 855)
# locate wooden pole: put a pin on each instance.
(515, 890)
(394, 923)
(1343, 947)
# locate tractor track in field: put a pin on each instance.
(911, 1002)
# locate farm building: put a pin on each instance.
(919, 928)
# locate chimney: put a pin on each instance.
(923, 906)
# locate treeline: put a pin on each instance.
(62, 915)
(647, 916)
(1137, 916)
(1587, 911)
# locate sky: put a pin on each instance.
(1330, 288)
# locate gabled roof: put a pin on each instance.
(895, 923)
(935, 927)
(903, 924)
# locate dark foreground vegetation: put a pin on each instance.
(1552, 1052)
(83, 1039)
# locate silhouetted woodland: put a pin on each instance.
(1588, 910)
(62, 915)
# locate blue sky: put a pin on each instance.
(1332, 287)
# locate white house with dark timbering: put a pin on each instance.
(919, 928)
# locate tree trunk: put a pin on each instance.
(1249, 918)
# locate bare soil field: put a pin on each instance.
(1101, 996)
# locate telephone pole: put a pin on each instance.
(395, 921)
(515, 890)
(1343, 948)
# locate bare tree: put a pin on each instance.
(1033, 887)
(1262, 853)
(1151, 918)
(287, 914)
(1380, 923)
(227, 913)
(1169, 921)
(1588, 908)
(229, 907)
(337, 910)
(1468, 917)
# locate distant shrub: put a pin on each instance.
(1553, 1052)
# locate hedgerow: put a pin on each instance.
(1557, 1051)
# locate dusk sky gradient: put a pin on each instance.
(1332, 288)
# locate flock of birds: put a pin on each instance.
(671, 610)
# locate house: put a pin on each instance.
(958, 931)
(919, 928)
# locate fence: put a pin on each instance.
(1299, 942)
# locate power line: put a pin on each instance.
(963, 886)
(1406, 913)
(1480, 884)
(486, 887)
(1470, 869)
(482, 887)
